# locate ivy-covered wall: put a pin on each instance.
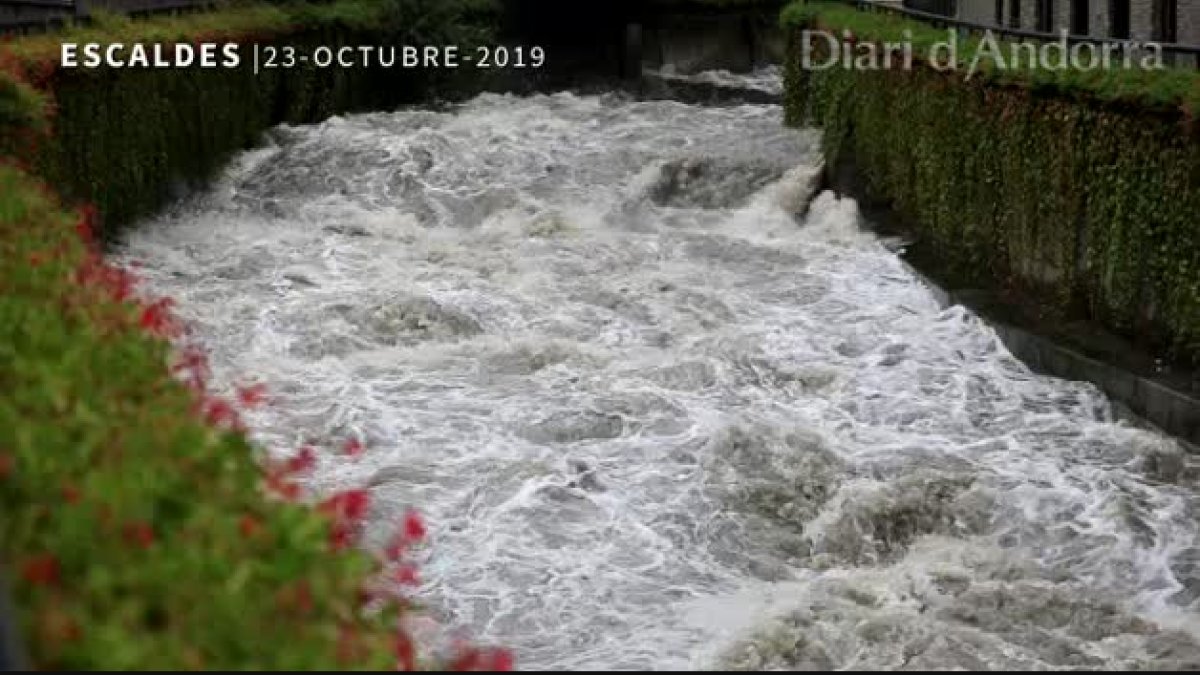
(1083, 206)
(123, 139)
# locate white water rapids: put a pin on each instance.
(654, 420)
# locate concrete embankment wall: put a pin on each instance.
(129, 140)
(1075, 218)
(737, 41)
(611, 43)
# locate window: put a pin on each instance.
(1014, 14)
(1079, 17)
(999, 12)
(1045, 15)
(1118, 12)
(1166, 21)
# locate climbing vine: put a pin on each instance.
(1085, 202)
(127, 139)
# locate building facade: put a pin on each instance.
(1167, 21)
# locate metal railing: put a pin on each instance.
(22, 16)
(1173, 53)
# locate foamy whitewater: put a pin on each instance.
(655, 420)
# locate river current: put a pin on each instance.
(657, 417)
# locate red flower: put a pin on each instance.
(42, 570)
(249, 526)
(138, 534)
(7, 465)
(353, 448)
(350, 506)
(473, 659)
(280, 485)
(304, 461)
(156, 318)
(468, 659)
(218, 411)
(192, 359)
(502, 661)
(120, 283)
(395, 550)
(252, 396)
(341, 536)
(117, 282)
(414, 527)
(194, 363)
(406, 575)
(406, 653)
(88, 270)
(412, 530)
(86, 225)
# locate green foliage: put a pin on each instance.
(1086, 205)
(21, 106)
(136, 533)
(24, 116)
(134, 528)
(111, 28)
(1160, 88)
(433, 22)
(125, 138)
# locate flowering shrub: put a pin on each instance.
(131, 520)
(136, 527)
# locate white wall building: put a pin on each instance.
(1168, 21)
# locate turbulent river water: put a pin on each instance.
(655, 418)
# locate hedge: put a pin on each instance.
(138, 527)
(135, 529)
(1078, 194)
(125, 140)
(1170, 88)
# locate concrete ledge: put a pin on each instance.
(738, 41)
(1172, 410)
(655, 86)
(1136, 381)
